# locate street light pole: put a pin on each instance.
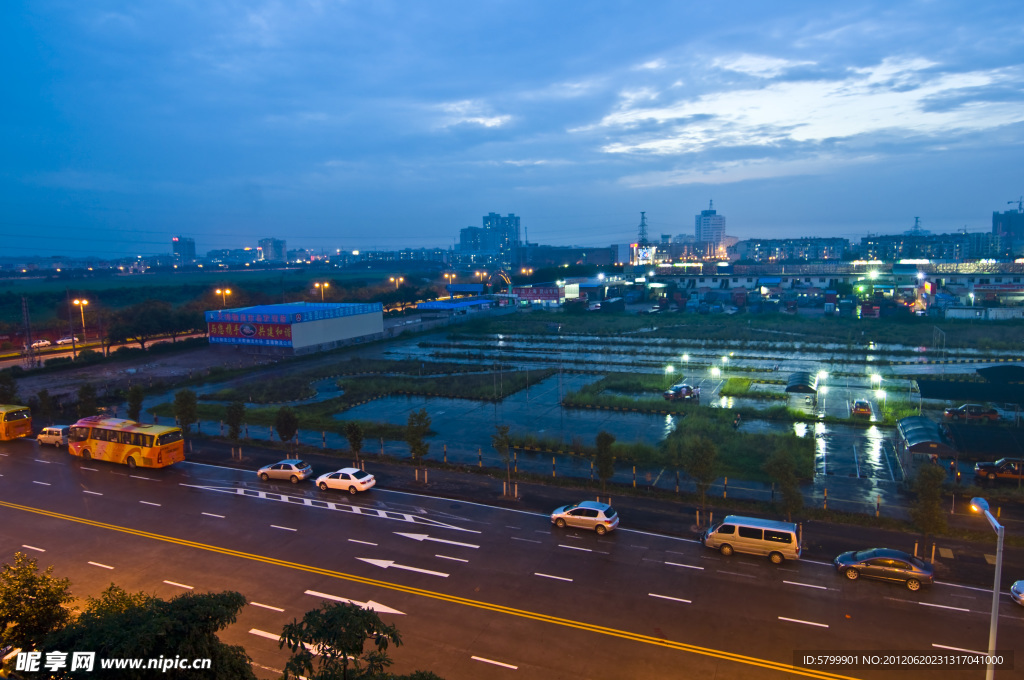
(981, 505)
(323, 287)
(223, 292)
(81, 307)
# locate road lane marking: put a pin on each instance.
(180, 585)
(149, 503)
(94, 493)
(274, 526)
(210, 514)
(441, 597)
(38, 460)
(43, 483)
(277, 638)
(572, 547)
(353, 540)
(943, 606)
(685, 566)
(148, 479)
(957, 585)
(375, 606)
(807, 623)
(266, 606)
(805, 585)
(557, 578)
(427, 537)
(32, 547)
(104, 566)
(453, 559)
(666, 597)
(735, 573)
(82, 467)
(387, 564)
(496, 663)
(959, 649)
(526, 540)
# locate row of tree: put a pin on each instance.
(335, 641)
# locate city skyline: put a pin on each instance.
(391, 126)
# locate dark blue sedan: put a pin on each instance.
(886, 565)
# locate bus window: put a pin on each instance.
(78, 434)
(169, 438)
(20, 414)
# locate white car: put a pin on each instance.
(67, 340)
(349, 479)
(40, 343)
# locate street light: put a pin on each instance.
(972, 299)
(669, 370)
(526, 270)
(323, 287)
(81, 306)
(223, 293)
(451, 279)
(981, 505)
(715, 372)
(397, 281)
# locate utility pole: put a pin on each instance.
(71, 327)
(30, 351)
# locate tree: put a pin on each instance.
(87, 405)
(605, 457)
(416, 429)
(339, 633)
(781, 467)
(354, 434)
(135, 398)
(32, 604)
(8, 388)
(700, 462)
(46, 406)
(286, 423)
(502, 443)
(927, 512)
(234, 416)
(185, 409)
(122, 624)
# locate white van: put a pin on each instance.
(778, 540)
(54, 434)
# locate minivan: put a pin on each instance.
(54, 434)
(778, 540)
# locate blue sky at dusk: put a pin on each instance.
(395, 124)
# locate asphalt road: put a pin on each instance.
(477, 591)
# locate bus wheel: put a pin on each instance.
(86, 455)
(131, 463)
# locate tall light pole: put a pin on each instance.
(223, 293)
(397, 281)
(451, 279)
(668, 373)
(81, 307)
(981, 505)
(323, 287)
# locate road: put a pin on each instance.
(476, 591)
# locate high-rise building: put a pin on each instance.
(471, 240)
(501, 236)
(273, 250)
(710, 226)
(1010, 222)
(183, 248)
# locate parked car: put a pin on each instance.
(599, 517)
(1017, 592)
(67, 340)
(1004, 469)
(292, 470)
(54, 434)
(972, 412)
(40, 343)
(348, 479)
(861, 407)
(682, 392)
(886, 565)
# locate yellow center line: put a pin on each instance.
(454, 599)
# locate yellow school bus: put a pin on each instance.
(15, 421)
(125, 441)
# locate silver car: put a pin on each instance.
(599, 517)
(292, 470)
(349, 479)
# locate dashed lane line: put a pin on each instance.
(494, 663)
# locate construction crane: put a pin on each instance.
(1020, 204)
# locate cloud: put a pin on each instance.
(893, 96)
(742, 170)
(469, 112)
(757, 65)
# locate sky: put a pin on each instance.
(383, 125)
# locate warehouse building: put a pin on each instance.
(296, 327)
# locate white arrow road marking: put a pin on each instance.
(375, 606)
(427, 537)
(277, 638)
(388, 563)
